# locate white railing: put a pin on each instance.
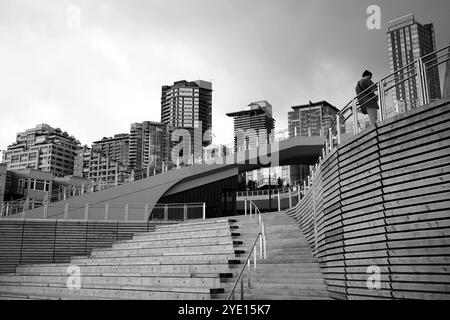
(114, 211)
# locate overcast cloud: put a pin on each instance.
(94, 81)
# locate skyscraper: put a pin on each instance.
(43, 148)
(149, 143)
(188, 105)
(409, 40)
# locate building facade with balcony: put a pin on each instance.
(116, 148)
(95, 166)
(42, 148)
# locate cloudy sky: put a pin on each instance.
(96, 75)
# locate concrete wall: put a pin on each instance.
(380, 202)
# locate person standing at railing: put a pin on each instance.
(367, 98)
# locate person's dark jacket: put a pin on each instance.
(368, 98)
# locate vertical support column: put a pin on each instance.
(86, 211)
(290, 198)
(126, 211)
(330, 137)
(204, 210)
(7, 209)
(2, 208)
(338, 129)
(146, 213)
(66, 211)
(45, 210)
(355, 117)
(166, 213)
(279, 202)
(185, 212)
(65, 194)
(381, 99)
(106, 211)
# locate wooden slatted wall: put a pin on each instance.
(382, 199)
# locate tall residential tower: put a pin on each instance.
(409, 40)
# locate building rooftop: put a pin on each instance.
(315, 104)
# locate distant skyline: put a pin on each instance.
(95, 78)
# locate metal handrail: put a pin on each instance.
(418, 68)
(247, 264)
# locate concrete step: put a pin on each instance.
(144, 269)
(196, 222)
(172, 242)
(225, 247)
(180, 235)
(147, 294)
(118, 281)
(175, 259)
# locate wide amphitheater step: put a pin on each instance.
(181, 261)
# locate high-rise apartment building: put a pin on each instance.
(256, 123)
(149, 146)
(409, 40)
(95, 166)
(312, 119)
(253, 127)
(43, 148)
(115, 148)
(188, 105)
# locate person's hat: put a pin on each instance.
(367, 73)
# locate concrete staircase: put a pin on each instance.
(192, 261)
(184, 261)
(290, 271)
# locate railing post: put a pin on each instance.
(250, 209)
(65, 194)
(279, 202)
(254, 258)
(290, 198)
(126, 211)
(355, 117)
(86, 211)
(260, 247)
(66, 211)
(245, 207)
(1, 209)
(45, 210)
(204, 210)
(338, 129)
(185, 212)
(106, 211)
(424, 99)
(382, 101)
(248, 270)
(146, 213)
(166, 212)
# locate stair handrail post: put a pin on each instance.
(185, 212)
(126, 211)
(204, 210)
(86, 212)
(355, 117)
(245, 206)
(290, 199)
(279, 201)
(45, 210)
(338, 129)
(106, 211)
(66, 211)
(250, 209)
